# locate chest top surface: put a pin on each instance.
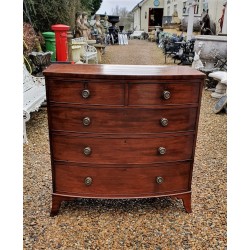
(124, 72)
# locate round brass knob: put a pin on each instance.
(159, 179)
(164, 122)
(166, 94)
(162, 150)
(85, 93)
(88, 181)
(87, 151)
(86, 121)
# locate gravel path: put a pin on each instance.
(129, 224)
(137, 52)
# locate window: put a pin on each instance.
(205, 5)
(196, 8)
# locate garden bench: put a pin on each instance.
(34, 94)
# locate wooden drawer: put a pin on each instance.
(98, 92)
(153, 93)
(122, 120)
(122, 150)
(135, 181)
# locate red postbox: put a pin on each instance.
(61, 41)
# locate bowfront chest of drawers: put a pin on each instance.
(120, 131)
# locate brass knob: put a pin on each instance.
(159, 179)
(166, 94)
(87, 151)
(162, 150)
(164, 122)
(86, 121)
(85, 93)
(88, 181)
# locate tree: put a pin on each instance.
(126, 17)
(41, 14)
(92, 5)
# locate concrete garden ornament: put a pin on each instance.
(197, 63)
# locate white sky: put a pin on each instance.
(108, 5)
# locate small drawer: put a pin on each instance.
(85, 149)
(122, 120)
(86, 92)
(164, 93)
(134, 181)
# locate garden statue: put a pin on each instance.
(197, 63)
(99, 29)
(208, 27)
(86, 31)
(105, 24)
(78, 25)
(175, 18)
(221, 20)
(98, 25)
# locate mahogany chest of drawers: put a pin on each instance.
(120, 131)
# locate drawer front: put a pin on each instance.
(123, 120)
(164, 93)
(118, 151)
(88, 93)
(136, 181)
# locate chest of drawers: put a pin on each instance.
(120, 131)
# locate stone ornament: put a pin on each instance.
(197, 63)
(221, 87)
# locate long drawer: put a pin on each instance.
(86, 92)
(136, 181)
(122, 120)
(85, 149)
(163, 93)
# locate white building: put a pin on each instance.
(151, 13)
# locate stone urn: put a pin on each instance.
(211, 47)
(184, 23)
(76, 53)
(41, 60)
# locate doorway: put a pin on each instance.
(155, 17)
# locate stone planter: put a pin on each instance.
(76, 52)
(41, 60)
(211, 47)
(184, 23)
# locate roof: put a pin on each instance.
(139, 5)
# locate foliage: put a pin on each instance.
(126, 17)
(29, 36)
(41, 14)
(91, 5)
